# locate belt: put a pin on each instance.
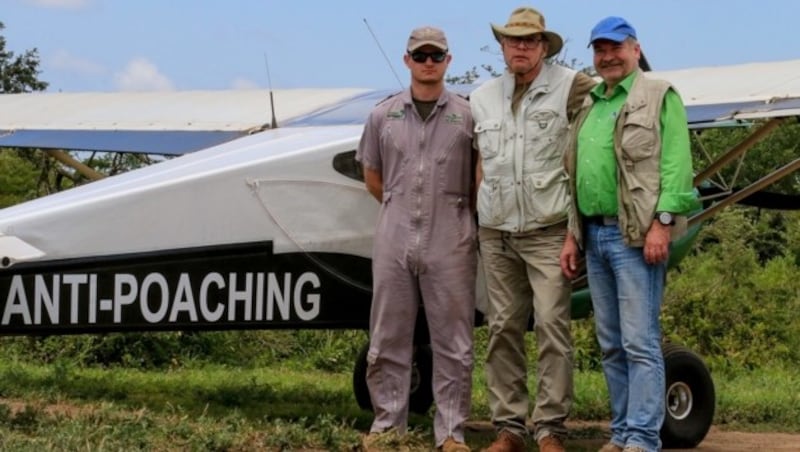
(601, 220)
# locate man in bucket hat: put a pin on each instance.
(521, 121)
(417, 155)
(630, 164)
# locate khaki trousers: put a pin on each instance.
(523, 274)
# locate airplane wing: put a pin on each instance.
(174, 123)
(733, 96)
(725, 95)
(167, 123)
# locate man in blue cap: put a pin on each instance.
(630, 168)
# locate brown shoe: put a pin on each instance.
(507, 442)
(451, 445)
(551, 443)
(610, 447)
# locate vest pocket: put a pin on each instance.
(544, 133)
(495, 201)
(639, 137)
(487, 134)
(546, 196)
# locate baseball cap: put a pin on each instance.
(612, 28)
(427, 35)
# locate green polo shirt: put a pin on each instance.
(596, 173)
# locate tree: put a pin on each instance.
(20, 170)
(19, 74)
(778, 149)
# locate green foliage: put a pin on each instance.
(18, 178)
(471, 75)
(732, 304)
(586, 353)
(331, 350)
(275, 408)
(19, 74)
(325, 431)
(325, 350)
(781, 147)
(111, 163)
(758, 397)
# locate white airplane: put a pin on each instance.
(263, 221)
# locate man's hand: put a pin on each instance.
(374, 182)
(656, 243)
(570, 257)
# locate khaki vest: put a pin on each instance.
(524, 184)
(637, 146)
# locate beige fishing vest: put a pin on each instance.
(524, 184)
(637, 146)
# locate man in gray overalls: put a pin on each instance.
(417, 158)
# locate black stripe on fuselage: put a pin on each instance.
(233, 286)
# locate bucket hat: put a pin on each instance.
(526, 21)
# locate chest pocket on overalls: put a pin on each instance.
(489, 138)
(394, 156)
(454, 162)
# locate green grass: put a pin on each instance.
(59, 407)
(762, 400)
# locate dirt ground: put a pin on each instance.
(719, 440)
(592, 435)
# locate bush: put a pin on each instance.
(733, 303)
(325, 350)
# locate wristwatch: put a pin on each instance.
(665, 218)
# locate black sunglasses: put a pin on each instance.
(421, 57)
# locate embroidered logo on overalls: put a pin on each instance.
(454, 118)
(396, 114)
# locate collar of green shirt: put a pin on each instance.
(598, 92)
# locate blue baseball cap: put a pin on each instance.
(612, 28)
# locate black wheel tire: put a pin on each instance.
(690, 398)
(421, 392)
(360, 389)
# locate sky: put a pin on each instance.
(152, 45)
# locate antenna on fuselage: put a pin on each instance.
(274, 123)
(375, 38)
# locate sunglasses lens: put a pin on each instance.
(421, 57)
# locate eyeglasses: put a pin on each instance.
(421, 57)
(528, 42)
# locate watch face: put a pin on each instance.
(665, 218)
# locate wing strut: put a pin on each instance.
(747, 191)
(66, 159)
(738, 150)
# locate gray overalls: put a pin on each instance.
(425, 245)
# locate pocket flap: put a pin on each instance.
(487, 125)
(640, 121)
(544, 180)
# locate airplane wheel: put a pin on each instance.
(690, 398)
(421, 392)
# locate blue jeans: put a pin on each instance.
(626, 297)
